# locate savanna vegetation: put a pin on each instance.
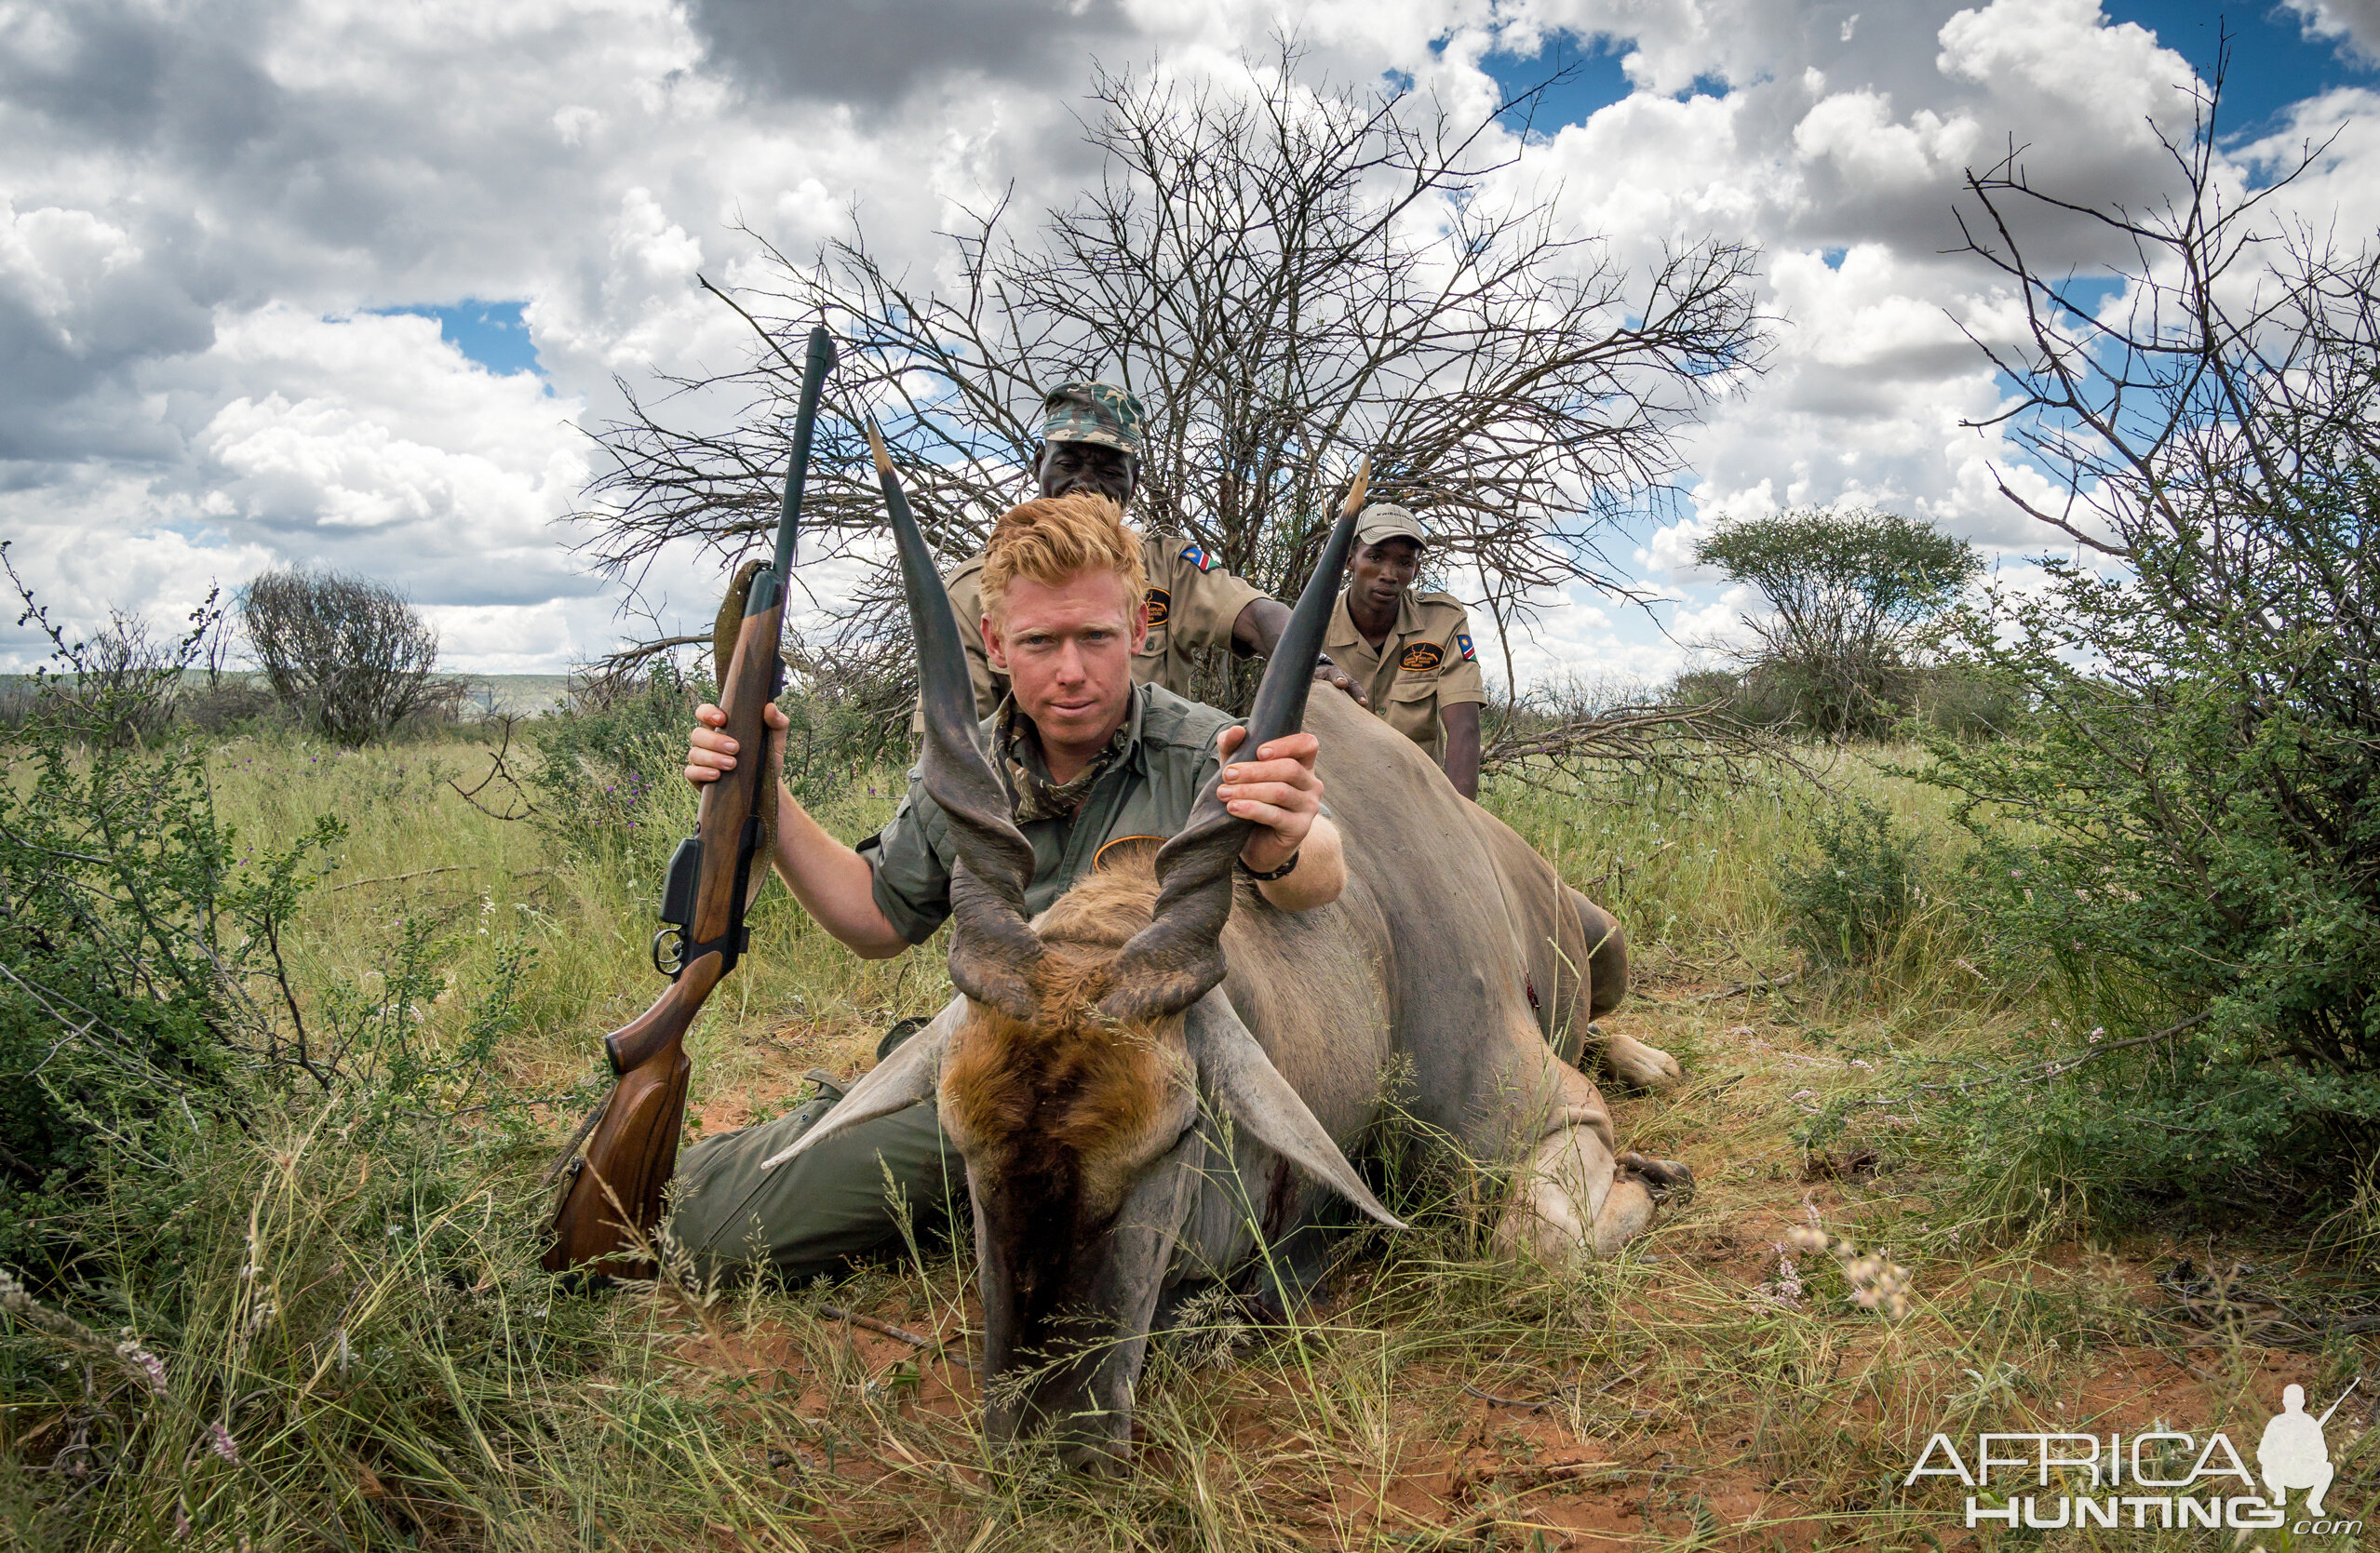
(278, 1283)
(2029, 1080)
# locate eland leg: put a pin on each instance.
(1578, 1196)
(1606, 956)
(1621, 1058)
(1640, 1066)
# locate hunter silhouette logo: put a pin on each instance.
(2157, 1479)
(2293, 1455)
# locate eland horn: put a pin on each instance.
(993, 952)
(1177, 958)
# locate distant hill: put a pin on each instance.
(519, 695)
(522, 695)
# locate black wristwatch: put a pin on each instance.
(1280, 873)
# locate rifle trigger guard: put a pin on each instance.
(675, 948)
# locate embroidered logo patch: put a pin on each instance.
(1161, 606)
(1421, 657)
(1462, 645)
(1197, 556)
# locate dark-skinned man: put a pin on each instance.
(1411, 654)
(1091, 442)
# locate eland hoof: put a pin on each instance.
(1667, 1181)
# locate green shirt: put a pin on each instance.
(1168, 759)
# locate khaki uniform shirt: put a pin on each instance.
(1168, 757)
(1193, 603)
(1426, 664)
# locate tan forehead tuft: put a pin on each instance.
(1057, 538)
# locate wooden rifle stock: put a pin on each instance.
(610, 1210)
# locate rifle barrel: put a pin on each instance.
(813, 379)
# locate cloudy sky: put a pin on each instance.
(334, 283)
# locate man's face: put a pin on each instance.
(1067, 467)
(1381, 572)
(1068, 653)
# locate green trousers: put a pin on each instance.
(840, 1203)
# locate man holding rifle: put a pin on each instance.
(1091, 757)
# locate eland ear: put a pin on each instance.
(894, 1084)
(1251, 1092)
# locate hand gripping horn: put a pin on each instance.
(1175, 960)
(993, 952)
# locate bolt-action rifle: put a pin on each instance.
(612, 1206)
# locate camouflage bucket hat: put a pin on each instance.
(1092, 412)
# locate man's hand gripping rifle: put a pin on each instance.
(611, 1208)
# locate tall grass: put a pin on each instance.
(355, 1348)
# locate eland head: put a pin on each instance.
(1073, 1071)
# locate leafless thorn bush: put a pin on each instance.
(126, 685)
(509, 801)
(1290, 278)
(347, 654)
(1563, 731)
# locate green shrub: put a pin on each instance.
(1849, 905)
(137, 939)
(1956, 700)
(2188, 837)
(608, 778)
(313, 1314)
(2200, 870)
(1700, 687)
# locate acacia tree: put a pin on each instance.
(1852, 589)
(2199, 861)
(1290, 279)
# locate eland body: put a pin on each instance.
(1161, 1074)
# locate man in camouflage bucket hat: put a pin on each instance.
(1094, 412)
(1091, 441)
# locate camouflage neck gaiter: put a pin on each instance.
(1018, 746)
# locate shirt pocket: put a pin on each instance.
(1413, 707)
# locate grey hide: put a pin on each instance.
(1233, 1071)
(1423, 969)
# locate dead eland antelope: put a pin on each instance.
(1086, 1070)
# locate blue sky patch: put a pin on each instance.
(2273, 62)
(1591, 79)
(489, 333)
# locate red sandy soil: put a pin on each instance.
(1468, 1466)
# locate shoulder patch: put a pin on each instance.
(1423, 657)
(1161, 607)
(1462, 645)
(1196, 555)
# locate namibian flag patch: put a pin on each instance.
(1462, 645)
(1197, 556)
